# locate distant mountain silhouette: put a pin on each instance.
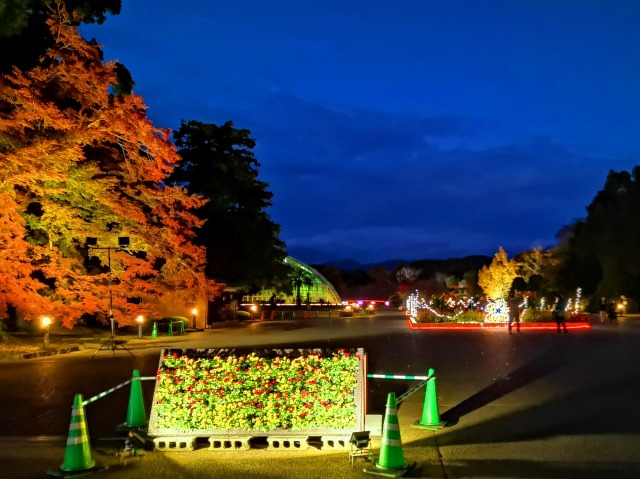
(353, 265)
(439, 265)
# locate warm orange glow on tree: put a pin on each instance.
(497, 278)
(78, 161)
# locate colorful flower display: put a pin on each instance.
(256, 392)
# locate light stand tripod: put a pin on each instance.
(110, 343)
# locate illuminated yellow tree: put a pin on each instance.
(497, 278)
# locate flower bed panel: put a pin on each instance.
(259, 392)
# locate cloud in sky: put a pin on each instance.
(415, 130)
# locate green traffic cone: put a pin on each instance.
(136, 416)
(430, 416)
(154, 330)
(77, 455)
(170, 330)
(391, 455)
(391, 462)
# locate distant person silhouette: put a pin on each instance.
(611, 313)
(603, 309)
(559, 313)
(514, 312)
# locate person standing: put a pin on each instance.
(559, 312)
(611, 313)
(514, 312)
(603, 309)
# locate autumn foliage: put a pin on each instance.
(78, 161)
(497, 278)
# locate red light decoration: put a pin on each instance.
(579, 326)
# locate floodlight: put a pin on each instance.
(360, 439)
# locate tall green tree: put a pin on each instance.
(603, 257)
(78, 161)
(242, 241)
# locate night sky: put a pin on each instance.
(402, 129)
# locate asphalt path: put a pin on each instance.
(530, 405)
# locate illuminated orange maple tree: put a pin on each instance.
(78, 161)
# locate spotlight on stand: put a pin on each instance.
(360, 446)
(123, 243)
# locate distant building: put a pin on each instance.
(316, 289)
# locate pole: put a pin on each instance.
(140, 331)
(113, 329)
(398, 376)
(45, 344)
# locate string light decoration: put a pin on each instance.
(495, 311)
(414, 303)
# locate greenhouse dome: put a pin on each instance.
(314, 288)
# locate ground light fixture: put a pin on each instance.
(253, 308)
(140, 320)
(45, 323)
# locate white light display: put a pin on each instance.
(414, 303)
(497, 312)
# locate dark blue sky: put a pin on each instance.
(412, 129)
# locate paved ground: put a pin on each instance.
(567, 407)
